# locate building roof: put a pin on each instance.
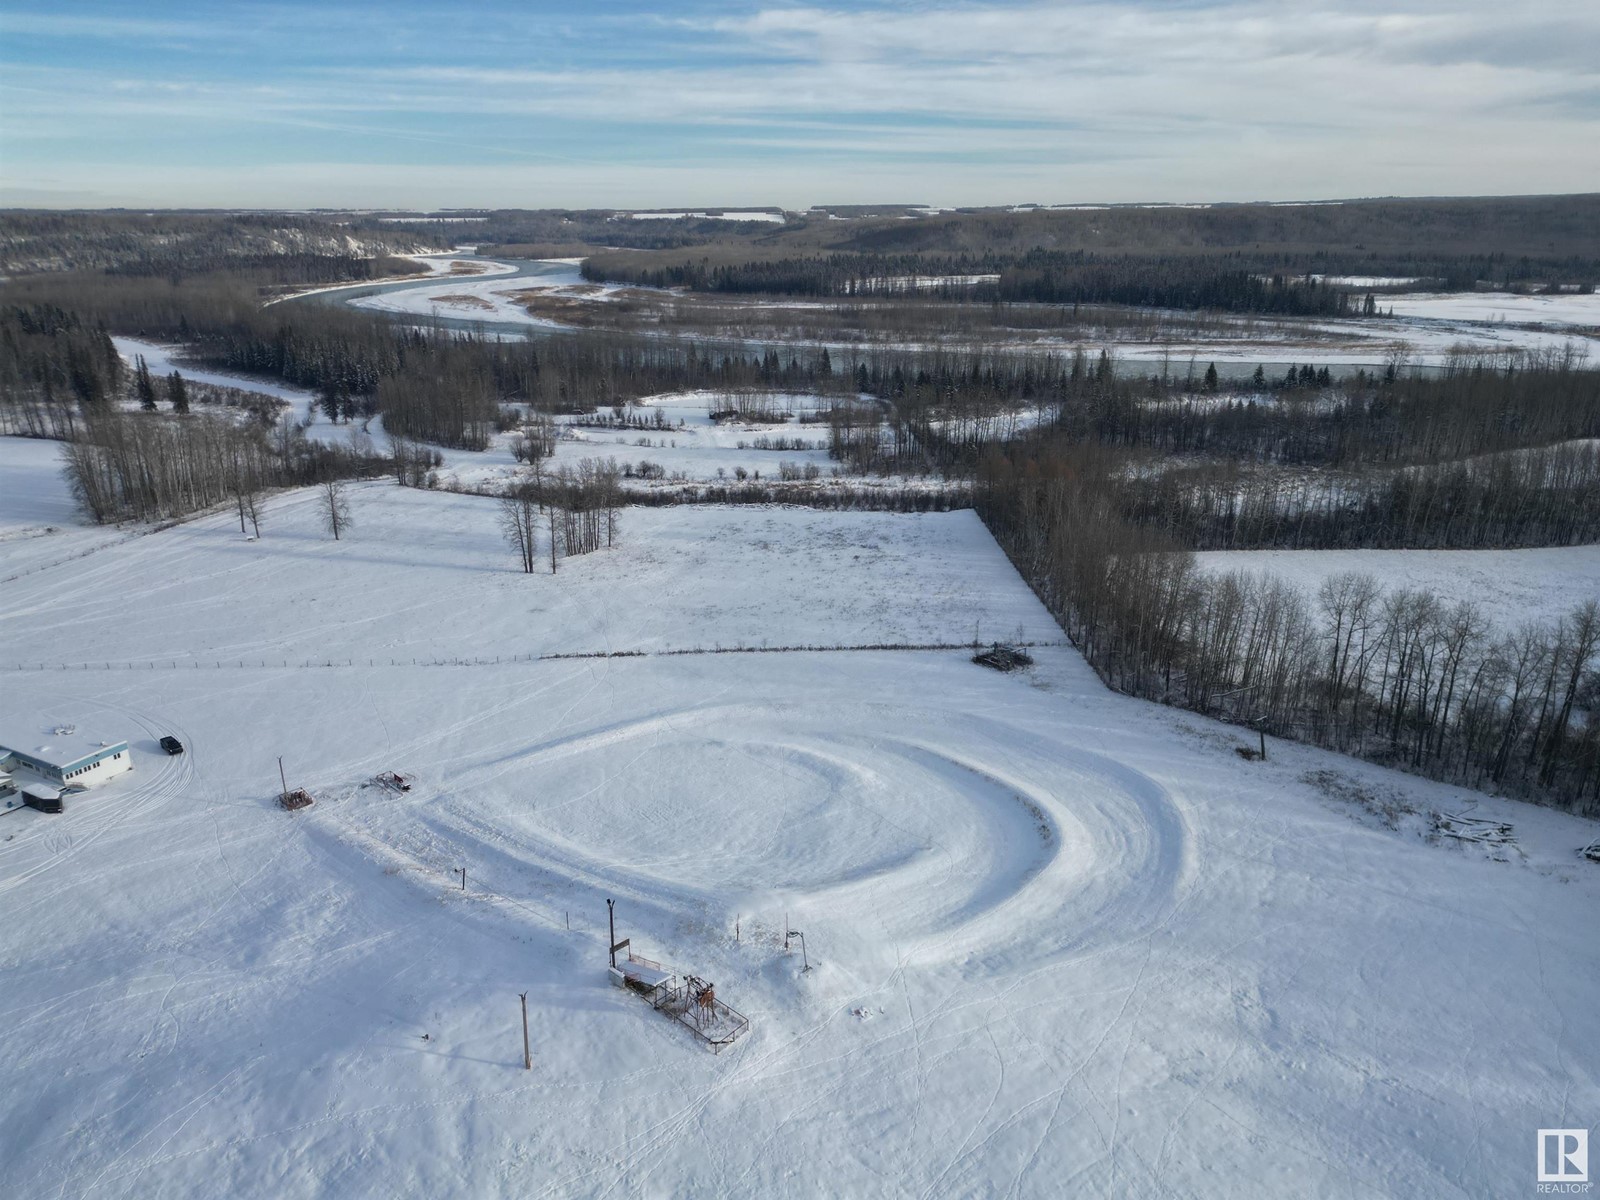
(60, 746)
(642, 973)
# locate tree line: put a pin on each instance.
(1302, 461)
(1545, 497)
(1037, 276)
(1402, 677)
(143, 467)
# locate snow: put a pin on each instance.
(1421, 332)
(900, 282)
(39, 521)
(1101, 954)
(700, 449)
(1366, 281)
(165, 358)
(775, 218)
(1368, 341)
(437, 263)
(1510, 586)
(1566, 309)
(162, 359)
(447, 553)
(36, 495)
(697, 451)
(59, 745)
(490, 300)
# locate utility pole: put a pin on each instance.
(281, 778)
(611, 918)
(527, 1053)
(462, 871)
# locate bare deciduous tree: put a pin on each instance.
(519, 522)
(335, 506)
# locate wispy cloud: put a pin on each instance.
(68, 27)
(1136, 99)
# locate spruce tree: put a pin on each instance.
(328, 402)
(143, 387)
(178, 393)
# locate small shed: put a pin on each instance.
(10, 797)
(63, 756)
(640, 975)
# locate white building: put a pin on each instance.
(62, 756)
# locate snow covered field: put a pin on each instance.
(296, 594)
(1063, 942)
(1496, 308)
(39, 523)
(700, 449)
(1511, 586)
(36, 498)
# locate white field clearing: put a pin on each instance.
(39, 522)
(1062, 942)
(1581, 312)
(1510, 586)
(695, 448)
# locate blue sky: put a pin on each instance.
(621, 104)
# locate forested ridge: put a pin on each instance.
(1227, 258)
(187, 243)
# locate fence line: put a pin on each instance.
(503, 659)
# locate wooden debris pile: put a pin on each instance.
(1473, 829)
(1001, 657)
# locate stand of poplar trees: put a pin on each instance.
(146, 467)
(1401, 677)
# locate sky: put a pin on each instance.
(618, 103)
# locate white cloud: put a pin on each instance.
(1137, 100)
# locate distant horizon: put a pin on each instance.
(691, 210)
(345, 105)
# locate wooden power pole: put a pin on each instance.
(527, 1053)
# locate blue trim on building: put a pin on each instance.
(52, 771)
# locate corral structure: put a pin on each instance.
(693, 1001)
(62, 756)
